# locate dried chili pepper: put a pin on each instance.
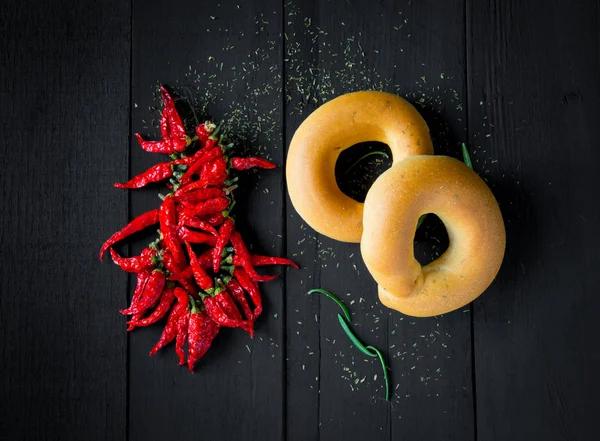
(182, 333)
(224, 235)
(251, 288)
(204, 130)
(171, 128)
(210, 206)
(184, 274)
(139, 223)
(168, 227)
(201, 332)
(216, 312)
(230, 308)
(170, 331)
(142, 278)
(258, 260)
(134, 264)
(215, 219)
(175, 123)
(199, 195)
(194, 222)
(202, 279)
(239, 247)
(251, 162)
(191, 236)
(152, 291)
(198, 163)
(213, 173)
(161, 310)
(237, 292)
(187, 281)
(156, 173)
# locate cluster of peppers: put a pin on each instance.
(199, 268)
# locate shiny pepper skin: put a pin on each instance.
(194, 168)
(216, 312)
(224, 234)
(251, 288)
(170, 331)
(168, 227)
(248, 163)
(265, 260)
(134, 264)
(201, 332)
(141, 222)
(182, 333)
(152, 291)
(239, 248)
(161, 310)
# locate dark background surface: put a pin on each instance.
(517, 81)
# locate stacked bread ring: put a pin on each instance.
(385, 225)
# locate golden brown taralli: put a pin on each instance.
(461, 199)
(337, 125)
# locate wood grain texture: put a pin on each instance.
(64, 101)
(517, 80)
(533, 115)
(238, 387)
(334, 393)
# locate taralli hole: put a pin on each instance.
(357, 168)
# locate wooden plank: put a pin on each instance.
(416, 51)
(533, 114)
(64, 100)
(231, 53)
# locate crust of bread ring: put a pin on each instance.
(470, 213)
(335, 126)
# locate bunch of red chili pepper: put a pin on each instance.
(199, 270)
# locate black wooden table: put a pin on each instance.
(518, 81)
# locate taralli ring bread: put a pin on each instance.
(470, 213)
(335, 126)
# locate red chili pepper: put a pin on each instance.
(187, 281)
(152, 291)
(202, 279)
(171, 128)
(142, 278)
(228, 305)
(170, 331)
(134, 264)
(237, 292)
(194, 222)
(245, 260)
(156, 173)
(251, 288)
(248, 163)
(213, 173)
(139, 223)
(204, 130)
(168, 227)
(161, 310)
(216, 312)
(210, 206)
(188, 235)
(215, 219)
(205, 259)
(199, 195)
(265, 260)
(175, 124)
(185, 274)
(182, 333)
(224, 235)
(197, 165)
(161, 146)
(201, 332)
